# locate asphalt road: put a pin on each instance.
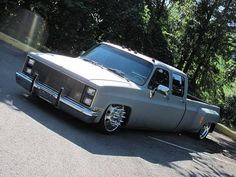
(38, 140)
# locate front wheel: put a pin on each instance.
(204, 131)
(112, 119)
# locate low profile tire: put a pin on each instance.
(112, 119)
(204, 131)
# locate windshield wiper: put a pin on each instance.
(118, 72)
(93, 62)
(90, 61)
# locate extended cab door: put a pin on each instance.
(177, 96)
(164, 112)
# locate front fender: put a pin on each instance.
(128, 97)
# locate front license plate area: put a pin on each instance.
(46, 96)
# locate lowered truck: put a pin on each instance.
(114, 87)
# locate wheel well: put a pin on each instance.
(212, 127)
(128, 112)
(128, 109)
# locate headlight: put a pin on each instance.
(90, 91)
(88, 96)
(28, 70)
(87, 101)
(31, 62)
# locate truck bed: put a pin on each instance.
(191, 97)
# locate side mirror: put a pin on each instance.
(163, 89)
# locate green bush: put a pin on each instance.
(228, 112)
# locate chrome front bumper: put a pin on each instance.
(53, 97)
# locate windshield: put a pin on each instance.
(130, 66)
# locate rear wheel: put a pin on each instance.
(204, 131)
(113, 118)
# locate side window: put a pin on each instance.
(178, 85)
(160, 77)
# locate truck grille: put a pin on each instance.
(56, 80)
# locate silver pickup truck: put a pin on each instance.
(115, 87)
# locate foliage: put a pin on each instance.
(228, 112)
(201, 36)
(76, 25)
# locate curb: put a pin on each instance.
(15, 43)
(226, 131)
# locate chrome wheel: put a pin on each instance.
(113, 118)
(204, 131)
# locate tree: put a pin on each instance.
(200, 37)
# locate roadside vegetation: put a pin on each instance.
(196, 36)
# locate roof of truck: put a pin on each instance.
(147, 58)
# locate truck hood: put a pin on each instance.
(81, 69)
